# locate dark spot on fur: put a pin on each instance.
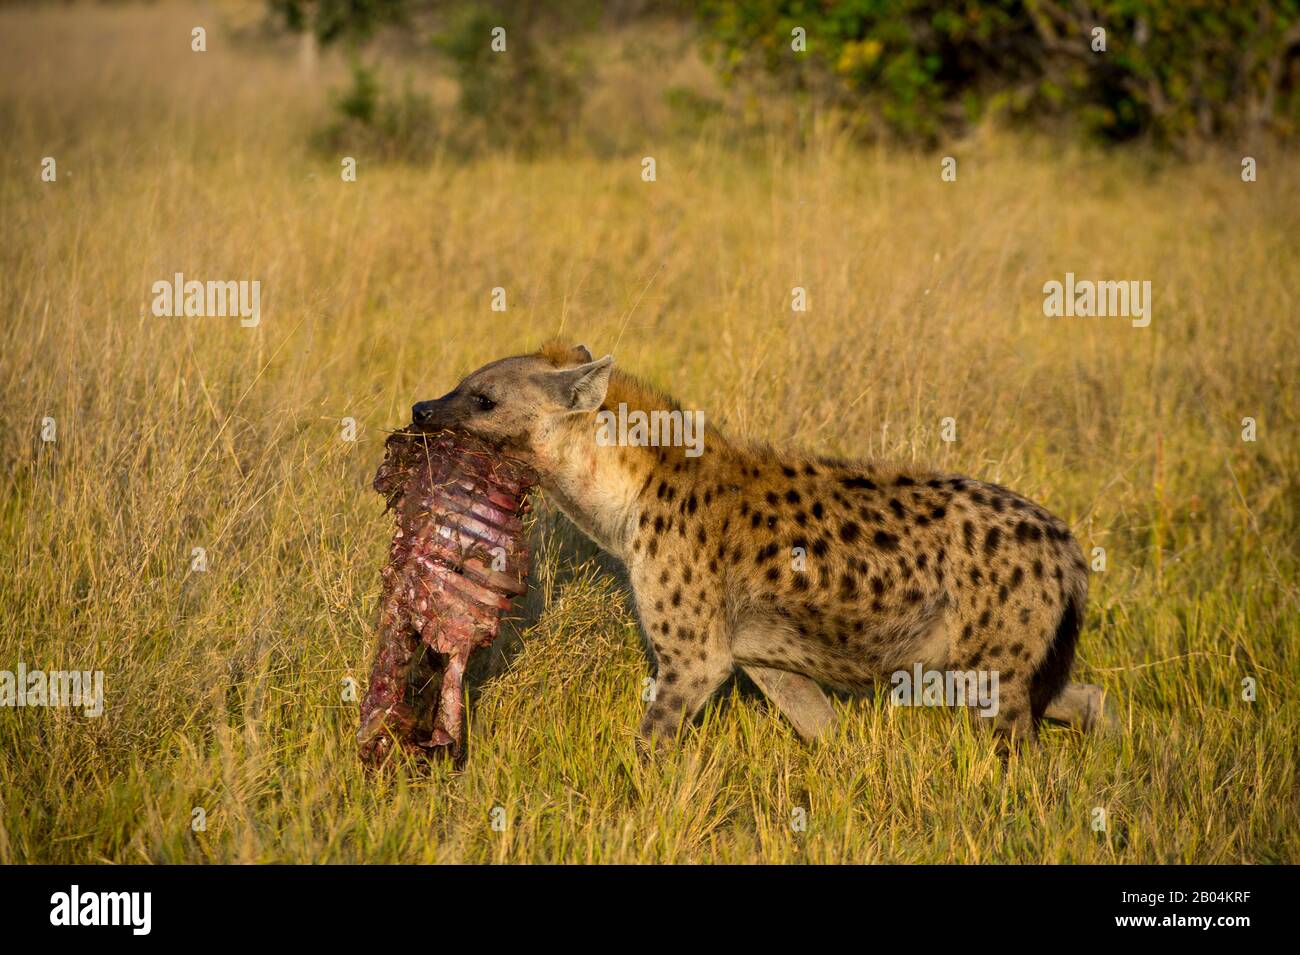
(858, 484)
(885, 540)
(1026, 531)
(848, 532)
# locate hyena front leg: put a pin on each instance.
(693, 658)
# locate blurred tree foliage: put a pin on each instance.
(333, 20)
(525, 97)
(1178, 71)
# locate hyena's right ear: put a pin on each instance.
(582, 388)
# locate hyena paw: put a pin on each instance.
(658, 732)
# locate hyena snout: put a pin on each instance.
(431, 413)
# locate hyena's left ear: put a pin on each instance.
(582, 388)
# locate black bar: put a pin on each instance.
(370, 905)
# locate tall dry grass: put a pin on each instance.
(224, 687)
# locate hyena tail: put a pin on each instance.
(1054, 672)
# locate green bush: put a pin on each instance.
(1177, 71)
(397, 126)
(527, 99)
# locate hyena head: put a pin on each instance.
(514, 403)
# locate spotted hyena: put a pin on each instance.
(802, 570)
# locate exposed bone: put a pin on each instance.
(458, 506)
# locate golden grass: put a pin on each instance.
(224, 687)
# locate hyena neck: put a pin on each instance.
(599, 483)
(597, 487)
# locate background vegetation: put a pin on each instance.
(1178, 73)
(224, 687)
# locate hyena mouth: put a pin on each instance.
(457, 561)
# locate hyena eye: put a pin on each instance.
(482, 402)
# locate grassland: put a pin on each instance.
(223, 688)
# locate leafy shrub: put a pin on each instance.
(400, 126)
(527, 98)
(1177, 71)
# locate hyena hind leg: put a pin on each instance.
(1014, 722)
(798, 697)
(1082, 705)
